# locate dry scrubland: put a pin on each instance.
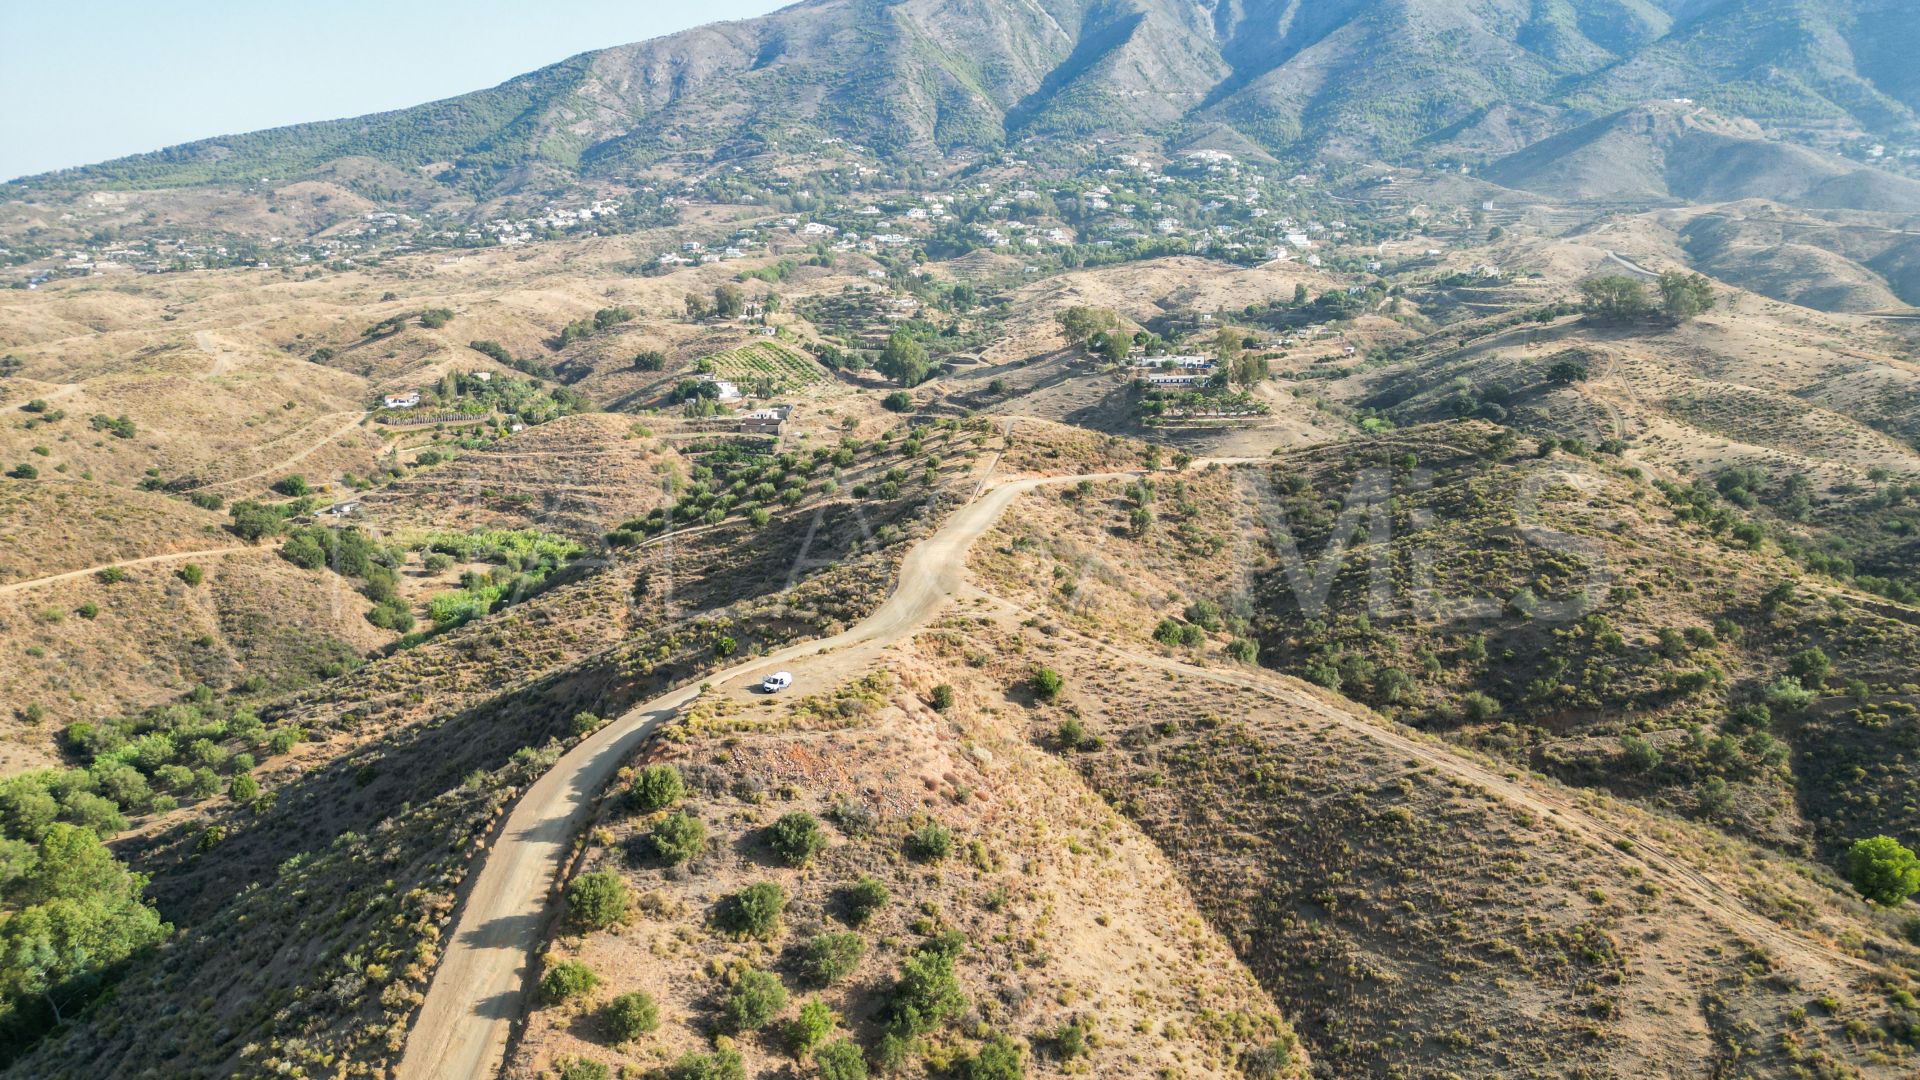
(313, 912)
(1070, 917)
(1411, 909)
(1189, 864)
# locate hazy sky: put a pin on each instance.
(86, 80)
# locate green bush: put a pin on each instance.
(722, 1064)
(810, 1028)
(580, 1068)
(796, 838)
(566, 980)
(865, 897)
(754, 911)
(630, 1016)
(840, 1061)
(930, 842)
(656, 787)
(1073, 734)
(597, 899)
(1046, 684)
(755, 998)
(1478, 708)
(679, 838)
(827, 958)
(998, 1059)
(926, 996)
(1883, 869)
(942, 697)
(1640, 755)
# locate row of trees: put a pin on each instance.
(1618, 298)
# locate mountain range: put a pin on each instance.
(921, 80)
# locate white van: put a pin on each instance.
(776, 682)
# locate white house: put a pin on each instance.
(409, 400)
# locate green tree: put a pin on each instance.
(1081, 322)
(755, 998)
(192, 574)
(722, 1064)
(597, 900)
(1568, 371)
(810, 1028)
(656, 787)
(904, 359)
(76, 914)
(293, 486)
(931, 842)
(942, 697)
(926, 995)
(1684, 296)
(827, 958)
(1226, 346)
(999, 1059)
(567, 979)
(1046, 684)
(678, 838)
(729, 301)
(796, 838)
(755, 911)
(1614, 298)
(630, 1016)
(865, 898)
(254, 521)
(1883, 869)
(840, 1060)
(1811, 667)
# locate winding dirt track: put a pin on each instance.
(1715, 900)
(286, 463)
(172, 556)
(476, 994)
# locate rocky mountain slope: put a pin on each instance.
(912, 79)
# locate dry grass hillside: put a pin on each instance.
(1073, 932)
(313, 904)
(1369, 876)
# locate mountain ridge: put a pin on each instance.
(913, 79)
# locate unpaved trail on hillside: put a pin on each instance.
(1715, 900)
(172, 556)
(476, 993)
(307, 451)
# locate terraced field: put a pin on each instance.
(766, 366)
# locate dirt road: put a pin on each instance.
(175, 556)
(277, 469)
(1714, 899)
(476, 995)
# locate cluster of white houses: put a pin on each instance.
(1172, 370)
